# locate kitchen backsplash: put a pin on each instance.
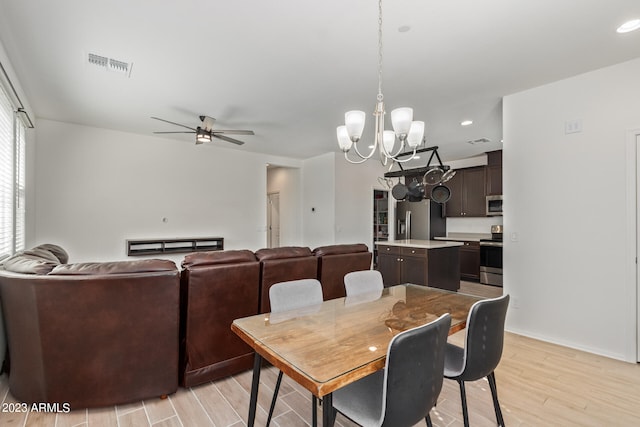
(472, 225)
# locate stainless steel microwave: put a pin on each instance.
(494, 205)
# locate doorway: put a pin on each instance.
(273, 220)
(380, 220)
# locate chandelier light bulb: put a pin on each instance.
(354, 122)
(389, 140)
(401, 119)
(416, 133)
(343, 138)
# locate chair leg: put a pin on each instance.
(463, 398)
(494, 394)
(428, 420)
(273, 400)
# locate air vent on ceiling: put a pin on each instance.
(478, 141)
(110, 64)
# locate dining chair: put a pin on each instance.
(407, 388)
(482, 350)
(364, 281)
(293, 295)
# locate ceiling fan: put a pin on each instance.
(205, 131)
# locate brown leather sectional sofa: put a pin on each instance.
(99, 334)
(91, 334)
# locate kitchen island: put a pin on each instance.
(434, 263)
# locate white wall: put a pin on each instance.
(318, 201)
(287, 182)
(95, 188)
(565, 197)
(354, 199)
(338, 200)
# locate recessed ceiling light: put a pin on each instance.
(629, 26)
(466, 122)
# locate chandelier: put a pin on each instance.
(408, 133)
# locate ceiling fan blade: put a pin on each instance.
(226, 138)
(174, 132)
(173, 123)
(234, 132)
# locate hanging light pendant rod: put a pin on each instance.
(408, 132)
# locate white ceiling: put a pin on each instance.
(289, 69)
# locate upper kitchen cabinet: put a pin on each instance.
(494, 173)
(467, 193)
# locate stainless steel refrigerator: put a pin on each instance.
(421, 220)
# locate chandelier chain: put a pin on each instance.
(379, 50)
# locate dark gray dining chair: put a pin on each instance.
(407, 388)
(482, 350)
(364, 281)
(287, 296)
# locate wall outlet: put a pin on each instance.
(515, 303)
(514, 236)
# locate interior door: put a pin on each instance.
(273, 220)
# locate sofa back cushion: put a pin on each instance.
(282, 265)
(200, 259)
(335, 261)
(115, 267)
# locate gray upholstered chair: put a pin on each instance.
(364, 281)
(293, 295)
(407, 388)
(482, 350)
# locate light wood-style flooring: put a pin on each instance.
(539, 384)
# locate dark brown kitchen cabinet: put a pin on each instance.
(494, 173)
(389, 264)
(402, 265)
(467, 193)
(430, 267)
(470, 261)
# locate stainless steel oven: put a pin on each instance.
(491, 258)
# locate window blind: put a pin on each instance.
(12, 178)
(19, 186)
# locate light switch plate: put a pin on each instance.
(573, 126)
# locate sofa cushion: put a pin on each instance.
(283, 252)
(340, 249)
(57, 251)
(39, 260)
(29, 264)
(115, 267)
(198, 259)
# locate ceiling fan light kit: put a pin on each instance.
(202, 136)
(408, 132)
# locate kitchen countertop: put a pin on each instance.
(465, 237)
(426, 244)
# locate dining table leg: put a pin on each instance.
(328, 413)
(255, 382)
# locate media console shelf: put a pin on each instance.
(174, 246)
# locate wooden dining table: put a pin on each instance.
(329, 345)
